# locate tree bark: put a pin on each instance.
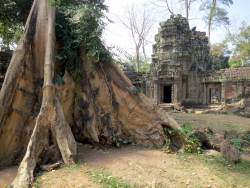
(137, 58)
(187, 3)
(40, 120)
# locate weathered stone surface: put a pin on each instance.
(233, 109)
(201, 136)
(230, 152)
(180, 57)
(215, 142)
(212, 152)
(221, 133)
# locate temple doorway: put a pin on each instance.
(213, 95)
(167, 94)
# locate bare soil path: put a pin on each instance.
(7, 175)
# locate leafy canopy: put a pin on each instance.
(80, 26)
(13, 15)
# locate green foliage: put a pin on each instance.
(59, 79)
(214, 15)
(240, 42)
(243, 45)
(192, 143)
(220, 62)
(9, 186)
(136, 90)
(219, 55)
(13, 15)
(238, 144)
(119, 141)
(80, 27)
(234, 63)
(247, 136)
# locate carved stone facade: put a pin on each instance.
(181, 70)
(180, 58)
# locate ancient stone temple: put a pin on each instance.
(181, 69)
(181, 56)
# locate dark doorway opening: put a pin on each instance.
(167, 93)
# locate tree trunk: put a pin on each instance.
(210, 19)
(38, 116)
(137, 58)
(187, 8)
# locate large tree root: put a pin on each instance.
(51, 128)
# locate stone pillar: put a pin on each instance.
(204, 94)
(156, 95)
(223, 93)
(174, 92)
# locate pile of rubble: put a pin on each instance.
(216, 143)
(240, 108)
(179, 107)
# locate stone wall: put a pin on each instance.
(234, 84)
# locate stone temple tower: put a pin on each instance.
(180, 58)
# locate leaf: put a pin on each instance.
(125, 141)
(119, 139)
(59, 79)
(118, 144)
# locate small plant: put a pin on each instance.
(247, 137)
(136, 90)
(59, 78)
(116, 138)
(168, 143)
(9, 186)
(238, 144)
(192, 143)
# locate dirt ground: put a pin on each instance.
(148, 167)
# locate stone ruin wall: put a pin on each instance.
(233, 83)
(180, 60)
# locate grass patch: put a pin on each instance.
(107, 180)
(222, 164)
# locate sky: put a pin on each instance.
(117, 35)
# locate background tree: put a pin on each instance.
(172, 6)
(46, 103)
(237, 37)
(214, 15)
(13, 15)
(219, 55)
(138, 20)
